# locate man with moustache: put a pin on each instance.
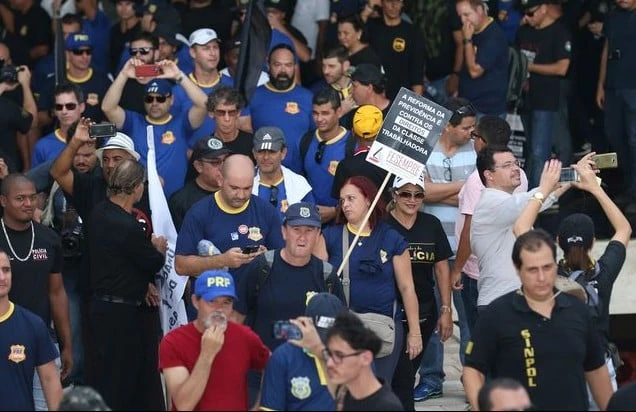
(335, 69)
(283, 103)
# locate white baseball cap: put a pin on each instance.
(202, 37)
(400, 181)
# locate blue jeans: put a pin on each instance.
(70, 279)
(469, 297)
(539, 128)
(440, 85)
(432, 366)
(38, 393)
(620, 128)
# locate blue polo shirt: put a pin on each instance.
(25, 344)
(320, 175)
(48, 148)
(290, 110)
(370, 266)
(256, 222)
(294, 380)
(170, 146)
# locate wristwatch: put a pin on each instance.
(538, 196)
(466, 41)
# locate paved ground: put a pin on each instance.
(623, 301)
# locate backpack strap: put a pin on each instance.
(327, 269)
(350, 146)
(303, 146)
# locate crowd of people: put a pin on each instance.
(315, 279)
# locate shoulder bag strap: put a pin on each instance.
(345, 270)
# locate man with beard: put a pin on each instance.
(283, 104)
(335, 69)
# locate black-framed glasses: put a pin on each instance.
(320, 152)
(407, 194)
(509, 165)
(79, 52)
(474, 135)
(273, 196)
(338, 357)
(68, 106)
(151, 98)
(530, 13)
(223, 113)
(448, 171)
(139, 50)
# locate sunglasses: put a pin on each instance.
(273, 196)
(530, 13)
(476, 136)
(320, 152)
(448, 171)
(223, 113)
(159, 99)
(79, 52)
(406, 194)
(139, 50)
(68, 106)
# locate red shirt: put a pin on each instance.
(227, 384)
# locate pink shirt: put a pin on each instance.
(468, 197)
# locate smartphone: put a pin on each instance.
(606, 160)
(102, 130)
(568, 175)
(147, 70)
(250, 249)
(284, 329)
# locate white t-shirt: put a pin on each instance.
(306, 16)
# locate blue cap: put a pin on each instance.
(302, 214)
(214, 283)
(159, 86)
(323, 308)
(77, 40)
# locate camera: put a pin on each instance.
(9, 74)
(614, 54)
(72, 241)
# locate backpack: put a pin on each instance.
(594, 304)
(305, 141)
(517, 78)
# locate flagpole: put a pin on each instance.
(58, 47)
(241, 70)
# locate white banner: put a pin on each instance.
(171, 286)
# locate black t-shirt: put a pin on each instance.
(132, 97)
(548, 46)
(30, 280)
(437, 19)
(217, 16)
(623, 399)
(401, 50)
(118, 41)
(366, 55)
(181, 201)
(34, 27)
(382, 400)
(620, 30)
(122, 259)
(243, 144)
(428, 245)
(547, 356)
(12, 119)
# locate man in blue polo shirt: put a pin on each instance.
(294, 379)
(283, 103)
(170, 131)
(26, 346)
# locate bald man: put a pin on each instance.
(232, 219)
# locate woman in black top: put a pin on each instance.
(350, 33)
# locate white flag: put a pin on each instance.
(171, 286)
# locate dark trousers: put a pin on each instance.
(125, 342)
(404, 375)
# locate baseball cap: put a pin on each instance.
(77, 40)
(400, 181)
(367, 121)
(119, 141)
(323, 308)
(159, 86)
(282, 5)
(209, 148)
(82, 398)
(367, 73)
(528, 4)
(167, 32)
(214, 283)
(302, 214)
(576, 230)
(269, 138)
(202, 37)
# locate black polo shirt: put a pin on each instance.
(547, 356)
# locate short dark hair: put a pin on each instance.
(532, 241)
(148, 36)
(461, 108)
(66, 87)
(350, 328)
(327, 95)
(339, 52)
(224, 95)
(72, 18)
(486, 159)
(280, 46)
(495, 130)
(125, 177)
(484, 399)
(355, 20)
(12, 179)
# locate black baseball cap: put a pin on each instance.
(209, 148)
(368, 74)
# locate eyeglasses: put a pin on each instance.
(139, 50)
(273, 196)
(68, 106)
(338, 357)
(476, 136)
(406, 194)
(159, 99)
(223, 113)
(448, 172)
(79, 52)
(530, 13)
(320, 152)
(509, 165)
